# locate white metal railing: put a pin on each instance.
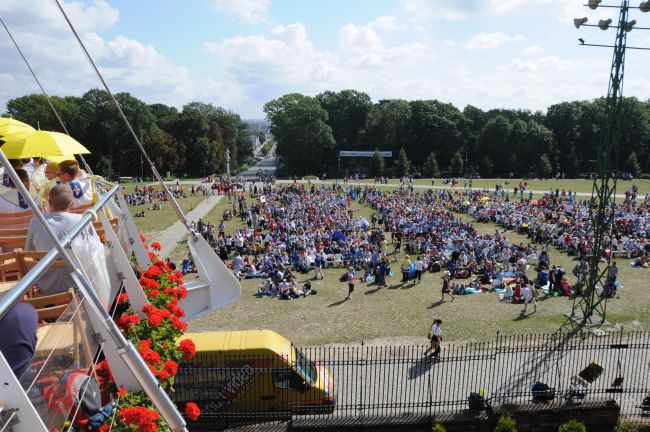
(127, 366)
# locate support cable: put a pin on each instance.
(170, 196)
(47, 97)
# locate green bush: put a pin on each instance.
(506, 424)
(626, 427)
(645, 176)
(310, 177)
(437, 427)
(572, 426)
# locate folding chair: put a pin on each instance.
(10, 267)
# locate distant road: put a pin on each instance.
(266, 164)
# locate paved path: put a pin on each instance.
(170, 238)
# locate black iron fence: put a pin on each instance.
(366, 384)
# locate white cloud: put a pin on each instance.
(532, 50)
(386, 23)
(483, 41)
(355, 39)
(454, 10)
(248, 11)
(544, 64)
(286, 54)
(427, 9)
(127, 64)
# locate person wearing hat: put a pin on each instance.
(446, 287)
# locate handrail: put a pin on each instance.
(124, 348)
(15, 294)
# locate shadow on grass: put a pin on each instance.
(372, 291)
(409, 286)
(522, 316)
(338, 303)
(436, 304)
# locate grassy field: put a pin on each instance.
(575, 185)
(157, 221)
(402, 313)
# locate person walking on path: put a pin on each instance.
(435, 338)
(351, 282)
(446, 288)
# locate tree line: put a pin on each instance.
(434, 138)
(192, 141)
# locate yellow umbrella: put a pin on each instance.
(10, 126)
(40, 144)
(59, 159)
(484, 198)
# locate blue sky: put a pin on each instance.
(239, 54)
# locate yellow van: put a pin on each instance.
(254, 373)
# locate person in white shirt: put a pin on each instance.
(528, 294)
(419, 268)
(69, 173)
(12, 201)
(435, 336)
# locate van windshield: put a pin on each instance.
(305, 367)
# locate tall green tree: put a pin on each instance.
(487, 166)
(347, 114)
(402, 164)
(494, 134)
(456, 165)
(545, 169)
(388, 125)
(431, 168)
(304, 139)
(632, 165)
(377, 164)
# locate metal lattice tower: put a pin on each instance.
(589, 307)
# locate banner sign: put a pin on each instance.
(365, 153)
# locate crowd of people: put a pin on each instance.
(307, 227)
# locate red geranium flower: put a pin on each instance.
(148, 283)
(154, 293)
(180, 292)
(171, 367)
(125, 322)
(121, 391)
(192, 411)
(176, 322)
(152, 255)
(176, 310)
(144, 343)
(149, 355)
(160, 264)
(156, 246)
(188, 348)
(122, 298)
(142, 418)
(153, 271)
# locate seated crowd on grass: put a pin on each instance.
(300, 227)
